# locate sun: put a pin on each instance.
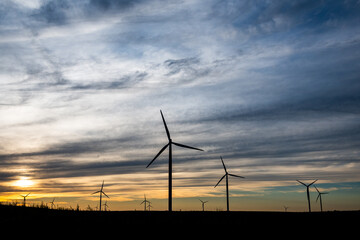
(24, 182)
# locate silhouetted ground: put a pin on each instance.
(346, 221)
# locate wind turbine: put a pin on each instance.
(227, 183)
(319, 196)
(149, 206)
(203, 204)
(170, 143)
(144, 202)
(106, 206)
(24, 196)
(286, 208)
(101, 193)
(307, 191)
(52, 203)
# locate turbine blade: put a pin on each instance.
(105, 194)
(236, 175)
(95, 192)
(223, 164)
(166, 128)
(317, 189)
(220, 180)
(312, 183)
(158, 155)
(302, 183)
(27, 194)
(102, 185)
(184, 146)
(317, 197)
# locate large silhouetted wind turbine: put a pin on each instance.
(101, 193)
(170, 143)
(319, 196)
(227, 183)
(24, 196)
(307, 191)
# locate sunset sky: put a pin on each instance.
(271, 86)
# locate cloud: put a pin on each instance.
(53, 12)
(124, 82)
(73, 148)
(113, 4)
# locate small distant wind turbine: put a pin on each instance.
(170, 143)
(101, 193)
(307, 191)
(24, 196)
(52, 203)
(319, 196)
(286, 208)
(106, 206)
(227, 183)
(149, 206)
(203, 204)
(144, 202)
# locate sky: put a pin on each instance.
(271, 86)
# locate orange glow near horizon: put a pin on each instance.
(126, 192)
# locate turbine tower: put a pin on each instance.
(227, 183)
(101, 193)
(307, 191)
(203, 204)
(24, 196)
(319, 196)
(170, 143)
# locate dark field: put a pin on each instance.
(329, 221)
